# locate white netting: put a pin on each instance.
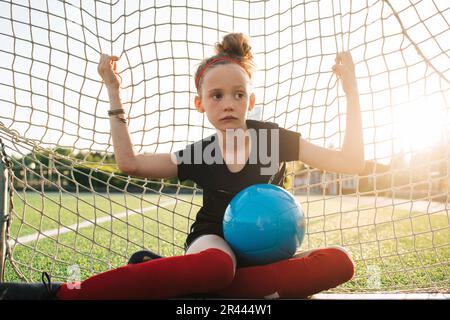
(72, 208)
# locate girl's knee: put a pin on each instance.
(342, 250)
(337, 260)
(210, 241)
(343, 261)
(220, 258)
(222, 264)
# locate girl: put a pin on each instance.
(224, 94)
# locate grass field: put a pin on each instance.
(395, 246)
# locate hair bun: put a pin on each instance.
(235, 45)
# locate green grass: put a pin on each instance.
(97, 247)
(393, 248)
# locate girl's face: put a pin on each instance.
(225, 96)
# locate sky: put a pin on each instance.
(51, 93)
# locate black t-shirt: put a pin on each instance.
(219, 184)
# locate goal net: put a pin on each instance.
(68, 210)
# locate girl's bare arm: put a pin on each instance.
(156, 165)
(350, 159)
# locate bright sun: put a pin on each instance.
(421, 124)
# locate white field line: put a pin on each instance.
(381, 201)
(77, 226)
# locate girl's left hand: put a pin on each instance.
(344, 69)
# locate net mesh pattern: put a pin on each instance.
(73, 213)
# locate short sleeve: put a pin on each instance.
(289, 145)
(190, 162)
(185, 164)
(289, 141)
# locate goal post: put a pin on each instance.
(71, 212)
(5, 198)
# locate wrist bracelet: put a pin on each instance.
(114, 112)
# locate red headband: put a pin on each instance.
(197, 80)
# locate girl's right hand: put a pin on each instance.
(107, 70)
(345, 70)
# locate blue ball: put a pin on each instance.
(264, 223)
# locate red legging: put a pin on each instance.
(212, 271)
(203, 272)
(293, 278)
